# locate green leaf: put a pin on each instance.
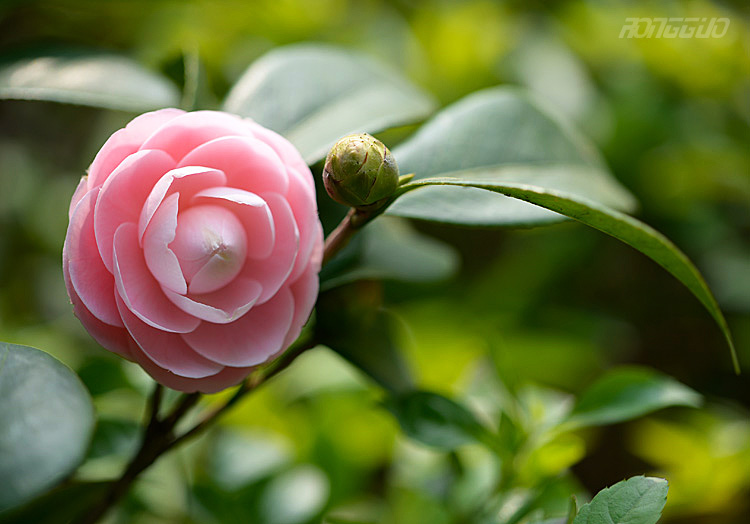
(62, 504)
(46, 422)
(628, 393)
(638, 500)
(436, 420)
(314, 94)
(350, 321)
(390, 248)
(107, 81)
(572, 510)
(509, 137)
(623, 227)
(115, 437)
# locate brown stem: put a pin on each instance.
(354, 220)
(147, 455)
(182, 407)
(152, 414)
(157, 437)
(339, 237)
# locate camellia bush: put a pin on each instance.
(215, 248)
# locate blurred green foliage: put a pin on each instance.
(531, 318)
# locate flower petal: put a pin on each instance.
(114, 339)
(223, 306)
(123, 194)
(249, 163)
(190, 130)
(78, 194)
(161, 261)
(251, 210)
(273, 270)
(225, 378)
(186, 180)
(167, 350)
(288, 154)
(306, 215)
(305, 292)
(139, 289)
(125, 142)
(250, 340)
(92, 282)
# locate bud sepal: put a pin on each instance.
(360, 172)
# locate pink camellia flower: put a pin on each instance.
(194, 247)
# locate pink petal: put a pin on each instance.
(213, 275)
(167, 350)
(273, 270)
(252, 211)
(186, 180)
(190, 130)
(306, 215)
(161, 261)
(126, 142)
(114, 339)
(250, 340)
(211, 245)
(147, 124)
(286, 152)
(225, 378)
(248, 163)
(316, 256)
(81, 190)
(305, 292)
(90, 279)
(123, 194)
(139, 289)
(223, 306)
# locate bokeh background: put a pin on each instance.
(544, 310)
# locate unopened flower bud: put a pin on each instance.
(360, 171)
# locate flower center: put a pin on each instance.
(211, 245)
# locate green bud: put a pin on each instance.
(360, 171)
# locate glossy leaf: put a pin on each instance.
(97, 80)
(638, 500)
(619, 225)
(314, 94)
(629, 393)
(389, 248)
(351, 322)
(509, 137)
(436, 420)
(115, 437)
(46, 422)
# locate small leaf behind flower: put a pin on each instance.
(436, 420)
(314, 94)
(389, 248)
(97, 80)
(638, 500)
(350, 321)
(510, 137)
(627, 393)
